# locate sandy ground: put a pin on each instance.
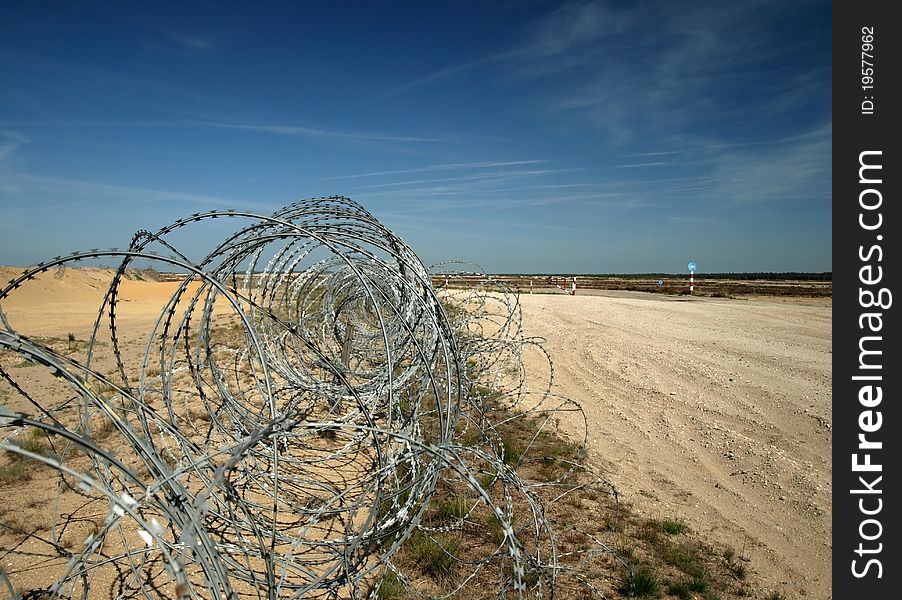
(717, 411)
(714, 410)
(56, 303)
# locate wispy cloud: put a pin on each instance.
(481, 177)
(648, 164)
(795, 169)
(441, 167)
(191, 42)
(462, 226)
(570, 26)
(650, 154)
(465, 205)
(97, 92)
(92, 192)
(300, 131)
(790, 170)
(681, 70)
(280, 129)
(683, 220)
(575, 25)
(10, 143)
(796, 91)
(799, 170)
(441, 74)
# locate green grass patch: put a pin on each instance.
(435, 556)
(685, 589)
(391, 588)
(451, 508)
(739, 569)
(685, 558)
(18, 468)
(641, 582)
(673, 526)
(496, 528)
(512, 450)
(679, 589)
(16, 471)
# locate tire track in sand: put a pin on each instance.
(715, 411)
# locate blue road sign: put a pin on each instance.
(692, 266)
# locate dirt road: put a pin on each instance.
(714, 410)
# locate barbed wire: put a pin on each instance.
(285, 425)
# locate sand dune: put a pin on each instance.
(57, 286)
(68, 300)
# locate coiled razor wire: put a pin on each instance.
(307, 416)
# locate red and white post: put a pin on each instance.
(692, 266)
(560, 286)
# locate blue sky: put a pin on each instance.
(523, 136)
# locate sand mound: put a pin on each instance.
(68, 300)
(58, 285)
(85, 285)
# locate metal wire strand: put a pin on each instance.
(282, 428)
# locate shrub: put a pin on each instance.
(641, 582)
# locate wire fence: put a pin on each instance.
(306, 416)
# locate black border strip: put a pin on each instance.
(860, 255)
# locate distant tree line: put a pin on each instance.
(824, 276)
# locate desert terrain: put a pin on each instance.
(716, 411)
(713, 410)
